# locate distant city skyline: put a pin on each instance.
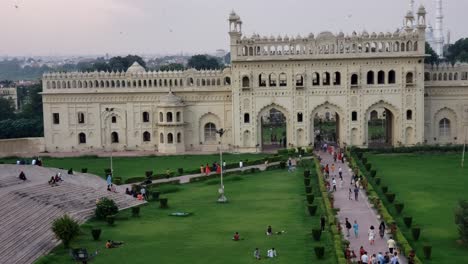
(97, 27)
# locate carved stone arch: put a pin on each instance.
(451, 115)
(393, 132)
(329, 107)
(256, 136)
(382, 104)
(203, 121)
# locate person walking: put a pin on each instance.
(341, 183)
(371, 234)
(395, 259)
(333, 168)
(334, 184)
(350, 194)
(356, 192)
(348, 226)
(241, 165)
(322, 223)
(109, 180)
(391, 245)
(364, 258)
(356, 229)
(340, 172)
(382, 229)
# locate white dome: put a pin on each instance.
(136, 67)
(171, 99)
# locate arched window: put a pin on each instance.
(391, 77)
(450, 76)
(381, 77)
(246, 118)
(283, 79)
(161, 117)
(326, 78)
(299, 117)
(146, 136)
(179, 137)
(299, 80)
(262, 80)
(115, 137)
(227, 81)
(427, 76)
(114, 119)
(409, 115)
(145, 117)
(337, 78)
(354, 79)
(81, 118)
(210, 132)
(272, 79)
(444, 127)
(370, 77)
(169, 117)
(203, 83)
(434, 77)
(354, 116)
(161, 138)
(315, 79)
(190, 81)
(440, 76)
(409, 78)
(245, 82)
(170, 138)
(455, 76)
(178, 117)
(82, 138)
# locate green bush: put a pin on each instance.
(416, 232)
(312, 209)
(70, 171)
(84, 170)
(66, 229)
(110, 219)
(310, 198)
(306, 181)
(107, 171)
(180, 171)
(427, 249)
(408, 220)
(399, 207)
(319, 252)
(359, 155)
(308, 189)
(368, 166)
(377, 180)
(373, 173)
(96, 233)
(316, 234)
(148, 174)
(135, 180)
(136, 211)
(163, 203)
(384, 189)
(364, 160)
(282, 152)
(282, 164)
(117, 180)
(461, 220)
(307, 174)
(155, 195)
(390, 197)
(105, 207)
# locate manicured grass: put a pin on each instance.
(273, 198)
(127, 167)
(429, 185)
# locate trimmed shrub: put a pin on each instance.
(399, 207)
(384, 189)
(136, 211)
(390, 197)
(319, 252)
(84, 170)
(163, 203)
(377, 180)
(110, 219)
(180, 171)
(65, 229)
(107, 171)
(135, 180)
(306, 181)
(373, 173)
(416, 232)
(105, 207)
(70, 171)
(461, 220)
(359, 155)
(368, 166)
(117, 180)
(427, 249)
(408, 221)
(96, 233)
(155, 195)
(282, 164)
(312, 209)
(307, 173)
(364, 160)
(308, 189)
(316, 234)
(148, 173)
(310, 198)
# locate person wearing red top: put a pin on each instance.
(236, 236)
(207, 170)
(361, 251)
(218, 169)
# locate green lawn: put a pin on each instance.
(127, 167)
(273, 198)
(430, 186)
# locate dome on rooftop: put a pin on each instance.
(135, 68)
(171, 99)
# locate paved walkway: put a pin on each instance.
(359, 211)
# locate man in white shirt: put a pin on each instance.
(271, 253)
(395, 259)
(334, 184)
(241, 164)
(391, 245)
(364, 258)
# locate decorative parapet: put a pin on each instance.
(446, 73)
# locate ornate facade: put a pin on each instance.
(301, 77)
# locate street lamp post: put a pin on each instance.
(222, 198)
(111, 111)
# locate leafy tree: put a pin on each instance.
(33, 108)
(106, 207)
(204, 62)
(65, 229)
(458, 51)
(122, 63)
(172, 67)
(433, 58)
(461, 220)
(7, 109)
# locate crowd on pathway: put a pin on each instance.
(330, 173)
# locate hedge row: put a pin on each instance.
(420, 148)
(359, 161)
(330, 215)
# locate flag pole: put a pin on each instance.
(464, 146)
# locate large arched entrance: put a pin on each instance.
(273, 127)
(326, 124)
(380, 122)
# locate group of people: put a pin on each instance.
(271, 253)
(35, 161)
(292, 163)
(215, 167)
(140, 195)
(365, 258)
(54, 180)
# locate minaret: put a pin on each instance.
(411, 8)
(438, 30)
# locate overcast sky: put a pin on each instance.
(61, 27)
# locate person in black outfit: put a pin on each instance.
(322, 223)
(22, 176)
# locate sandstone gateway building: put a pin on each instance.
(346, 77)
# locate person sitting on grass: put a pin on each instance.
(269, 231)
(257, 254)
(236, 237)
(113, 244)
(22, 176)
(271, 253)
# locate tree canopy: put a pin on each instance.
(458, 52)
(7, 109)
(433, 58)
(172, 67)
(204, 62)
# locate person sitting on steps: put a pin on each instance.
(52, 181)
(22, 176)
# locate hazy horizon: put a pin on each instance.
(97, 27)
